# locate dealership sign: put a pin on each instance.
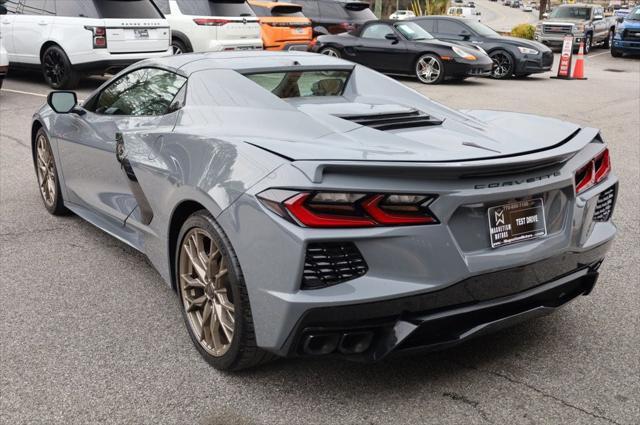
(564, 69)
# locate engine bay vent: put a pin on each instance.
(393, 121)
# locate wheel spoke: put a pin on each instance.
(192, 282)
(195, 304)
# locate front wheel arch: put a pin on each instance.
(180, 214)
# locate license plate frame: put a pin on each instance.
(141, 34)
(516, 221)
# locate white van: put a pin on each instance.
(464, 12)
(68, 38)
(211, 25)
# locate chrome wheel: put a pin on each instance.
(502, 65)
(587, 44)
(206, 292)
(46, 171)
(330, 52)
(177, 50)
(428, 69)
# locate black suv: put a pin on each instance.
(510, 55)
(335, 16)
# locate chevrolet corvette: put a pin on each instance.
(303, 205)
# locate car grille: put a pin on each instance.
(604, 207)
(631, 35)
(547, 59)
(557, 29)
(393, 121)
(327, 264)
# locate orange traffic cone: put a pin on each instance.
(578, 69)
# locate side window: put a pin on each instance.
(428, 25)
(76, 9)
(37, 7)
(376, 31)
(194, 7)
(449, 27)
(333, 10)
(309, 7)
(163, 5)
(144, 92)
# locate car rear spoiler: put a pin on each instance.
(315, 170)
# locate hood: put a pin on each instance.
(630, 23)
(321, 134)
(564, 21)
(515, 41)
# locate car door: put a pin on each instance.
(135, 103)
(31, 27)
(600, 30)
(376, 51)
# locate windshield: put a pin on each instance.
(413, 32)
(583, 13)
(302, 83)
(482, 29)
(634, 15)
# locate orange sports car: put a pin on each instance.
(284, 27)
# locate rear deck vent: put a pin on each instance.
(327, 264)
(394, 121)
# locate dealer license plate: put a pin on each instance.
(141, 33)
(516, 222)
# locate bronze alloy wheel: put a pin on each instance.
(206, 293)
(46, 171)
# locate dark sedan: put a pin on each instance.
(512, 56)
(404, 48)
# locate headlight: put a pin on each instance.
(619, 30)
(463, 53)
(527, 51)
(539, 26)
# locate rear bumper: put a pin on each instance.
(103, 62)
(447, 317)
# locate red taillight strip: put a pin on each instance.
(594, 173)
(605, 166)
(372, 207)
(211, 22)
(296, 206)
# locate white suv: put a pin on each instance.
(68, 38)
(211, 25)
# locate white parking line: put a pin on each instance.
(597, 54)
(25, 92)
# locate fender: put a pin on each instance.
(182, 37)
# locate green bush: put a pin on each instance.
(523, 31)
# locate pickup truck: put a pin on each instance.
(586, 22)
(627, 36)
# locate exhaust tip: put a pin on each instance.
(355, 342)
(318, 345)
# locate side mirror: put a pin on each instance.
(465, 34)
(62, 102)
(620, 19)
(391, 37)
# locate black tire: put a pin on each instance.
(503, 64)
(434, 61)
(243, 351)
(330, 51)
(608, 42)
(522, 75)
(178, 47)
(57, 69)
(616, 53)
(588, 43)
(55, 205)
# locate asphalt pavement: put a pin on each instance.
(503, 18)
(90, 334)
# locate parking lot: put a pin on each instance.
(89, 332)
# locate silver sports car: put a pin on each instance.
(302, 205)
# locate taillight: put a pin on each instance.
(211, 22)
(349, 209)
(99, 36)
(593, 172)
